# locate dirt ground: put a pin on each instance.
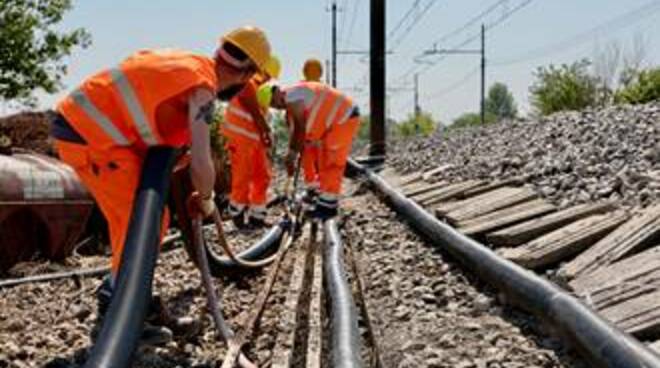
(50, 323)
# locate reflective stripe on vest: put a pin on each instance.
(347, 115)
(240, 130)
(320, 99)
(132, 104)
(134, 107)
(333, 112)
(99, 118)
(232, 109)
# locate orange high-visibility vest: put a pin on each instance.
(328, 107)
(118, 106)
(238, 119)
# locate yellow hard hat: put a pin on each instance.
(273, 67)
(253, 42)
(265, 95)
(312, 70)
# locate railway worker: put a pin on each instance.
(154, 97)
(248, 141)
(312, 72)
(325, 118)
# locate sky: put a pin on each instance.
(539, 33)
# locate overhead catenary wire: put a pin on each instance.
(423, 65)
(342, 8)
(402, 36)
(403, 19)
(622, 21)
(501, 19)
(472, 22)
(415, 67)
(454, 86)
(354, 14)
(412, 24)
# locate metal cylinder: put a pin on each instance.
(43, 207)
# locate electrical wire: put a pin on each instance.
(454, 86)
(609, 26)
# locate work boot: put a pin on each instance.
(257, 217)
(154, 332)
(322, 213)
(309, 198)
(324, 208)
(257, 223)
(237, 216)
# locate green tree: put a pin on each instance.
(568, 87)
(500, 102)
(32, 49)
(470, 119)
(643, 88)
(422, 124)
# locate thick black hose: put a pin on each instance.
(602, 343)
(266, 246)
(220, 265)
(124, 319)
(213, 303)
(345, 340)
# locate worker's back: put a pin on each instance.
(324, 106)
(142, 102)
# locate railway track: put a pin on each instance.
(368, 292)
(602, 252)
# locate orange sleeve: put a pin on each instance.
(248, 98)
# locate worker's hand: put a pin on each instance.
(267, 139)
(290, 162)
(200, 206)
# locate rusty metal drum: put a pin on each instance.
(44, 208)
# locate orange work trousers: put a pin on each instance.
(334, 151)
(112, 177)
(250, 173)
(309, 162)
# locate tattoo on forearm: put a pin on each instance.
(206, 112)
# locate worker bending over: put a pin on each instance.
(248, 141)
(327, 119)
(152, 98)
(312, 72)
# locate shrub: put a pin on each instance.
(568, 87)
(643, 88)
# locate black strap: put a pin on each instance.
(355, 113)
(62, 130)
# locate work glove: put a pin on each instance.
(290, 162)
(200, 206)
(267, 139)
